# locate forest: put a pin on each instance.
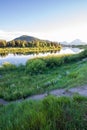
(24, 43)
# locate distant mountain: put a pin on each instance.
(64, 43)
(31, 38)
(29, 41)
(75, 42)
(26, 38)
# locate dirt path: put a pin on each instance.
(58, 92)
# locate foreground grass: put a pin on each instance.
(49, 114)
(41, 75)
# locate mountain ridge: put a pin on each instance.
(74, 42)
(32, 38)
(26, 38)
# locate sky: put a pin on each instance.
(56, 20)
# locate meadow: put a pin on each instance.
(42, 75)
(38, 76)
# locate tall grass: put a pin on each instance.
(49, 114)
(52, 62)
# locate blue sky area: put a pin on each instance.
(56, 20)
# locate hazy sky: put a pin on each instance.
(57, 20)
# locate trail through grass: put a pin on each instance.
(16, 83)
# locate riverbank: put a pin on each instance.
(46, 93)
(18, 59)
(42, 75)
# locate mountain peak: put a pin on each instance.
(26, 38)
(76, 41)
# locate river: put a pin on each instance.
(21, 59)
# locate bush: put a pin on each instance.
(52, 62)
(72, 58)
(8, 66)
(35, 66)
(83, 54)
(39, 65)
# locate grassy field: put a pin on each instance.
(38, 76)
(42, 75)
(50, 113)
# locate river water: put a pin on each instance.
(21, 59)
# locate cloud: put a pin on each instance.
(11, 35)
(68, 33)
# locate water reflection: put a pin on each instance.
(18, 58)
(3, 54)
(27, 53)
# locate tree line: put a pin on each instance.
(21, 43)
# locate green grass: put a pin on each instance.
(50, 113)
(39, 76)
(42, 75)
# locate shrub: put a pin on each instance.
(54, 62)
(8, 66)
(73, 75)
(83, 54)
(35, 66)
(39, 65)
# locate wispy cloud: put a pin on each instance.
(67, 33)
(11, 35)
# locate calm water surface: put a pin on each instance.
(21, 59)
